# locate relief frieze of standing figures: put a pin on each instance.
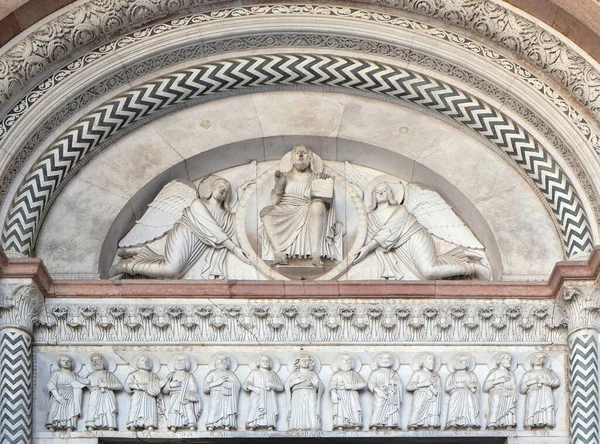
(171, 397)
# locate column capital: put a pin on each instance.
(580, 303)
(21, 304)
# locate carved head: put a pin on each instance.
(220, 190)
(382, 192)
(385, 360)
(345, 363)
(301, 157)
(304, 361)
(427, 361)
(264, 362)
(181, 362)
(144, 363)
(538, 359)
(462, 362)
(504, 360)
(222, 362)
(98, 362)
(65, 362)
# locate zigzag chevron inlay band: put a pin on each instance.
(16, 379)
(585, 395)
(29, 204)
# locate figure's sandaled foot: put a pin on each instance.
(117, 269)
(317, 262)
(280, 259)
(482, 272)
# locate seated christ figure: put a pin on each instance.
(300, 223)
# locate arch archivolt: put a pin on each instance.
(123, 63)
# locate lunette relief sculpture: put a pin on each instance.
(401, 221)
(144, 386)
(501, 385)
(425, 384)
(223, 388)
(301, 222)
(537, 384)
(102, 404)
(304, 390)
(184, 406)
(344, 386)
(66, 395)
(386, 386)
(199, 225)
(463, 387)
(263, 384)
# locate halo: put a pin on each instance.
(275, 364)
(191, 360)
(452, 361)
(395, 360)
(492, 361)
(233, 363)
(356, 362)
(290, 364)
(153, 360)
(111, 364)
(206, 183)
(286, 163)
(415, 362)
(395, 184)
(77, 364)
(528, 360)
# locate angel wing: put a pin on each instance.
(438, 217)
(166, 208)
(356, 178)
(241, 182)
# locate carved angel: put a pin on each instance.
(198, 225)
(401, 221)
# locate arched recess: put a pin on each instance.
(77, 144)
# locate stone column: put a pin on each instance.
(20, 304)
(581, 304)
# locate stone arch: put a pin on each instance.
(77, 143)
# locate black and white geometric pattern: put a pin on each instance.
(16, 382)
(585, 388)
(29, 204)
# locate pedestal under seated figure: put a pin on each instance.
(184, 408)
(502, 387)
(426, 385)
(301, 223)
(463, 387)
(144, 386)
(386, 386)
(198, 225)
(304, 390)
(537, 384)
(102, 404)
(223, 387)
(66, 394)
(399, 231)
(344, 387)
(263, 385)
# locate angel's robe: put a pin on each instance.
(501, 386)
(463, 406)
(263, 406)
(198, 234)
(425, 386)
(537, 384)
(387, 398)
(288, 224)
(69, 385)
(145, 386)
(347, 411)
(402, 239)
(102, 404)
(184, 404)
(222, 411)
